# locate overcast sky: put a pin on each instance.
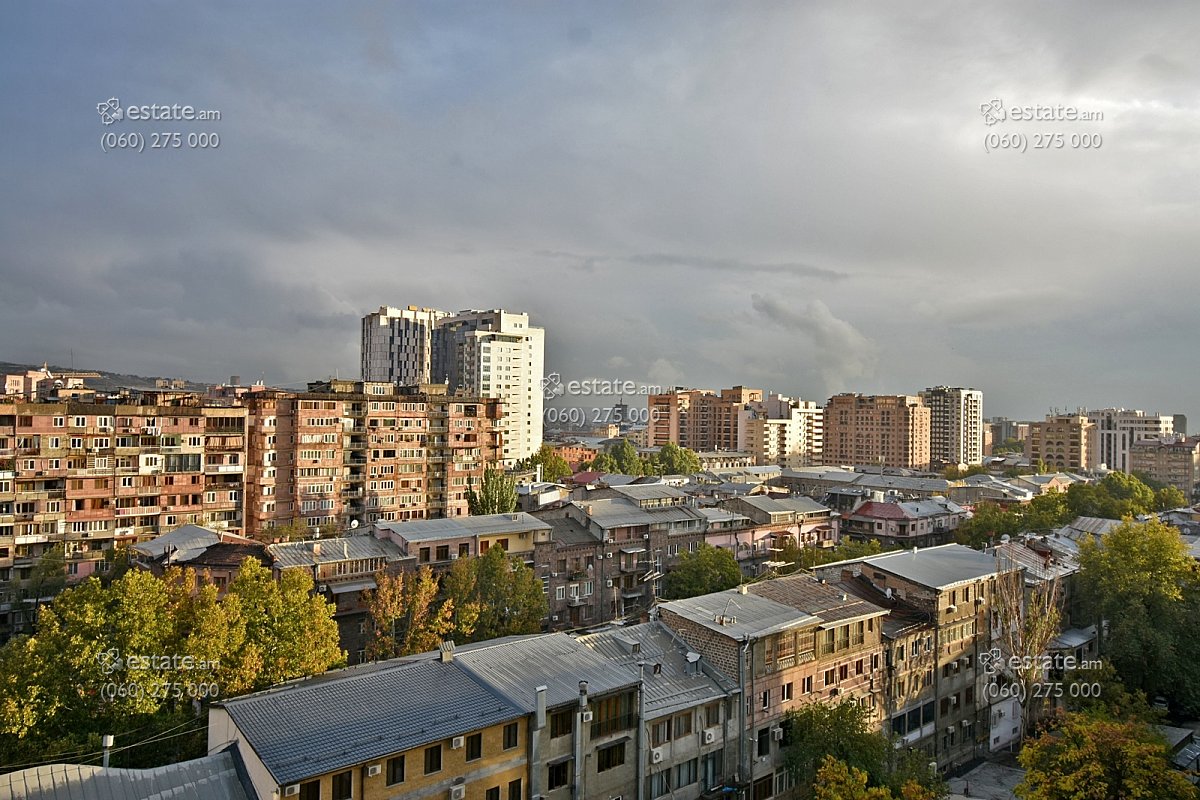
(795, 196)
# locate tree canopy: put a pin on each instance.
(708, 569)
(497, 494)
(107, 659)
(622, 457)
(1087, 758)
(1142, 579)
(554, 467)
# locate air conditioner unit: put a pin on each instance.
(291, 791)
(588, 717)
(374, 770)
(554, 618)
(553, 574)
(608, 582)
(323, 588)
(645, 536)
(457, 743)
(951, 609)
(966, 723)
(458, 792)
(608, 555)
(657, 755)
(978, 601)
(953, 701)
(777, 734)
(949, 729)
(709, 736)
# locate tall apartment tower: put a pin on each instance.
(782, 431)
(397, 344)
(698, 419)
(955, 425)
(1118, 428)
(495, 354)
(887, 430)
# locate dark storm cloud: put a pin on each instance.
(789, 195)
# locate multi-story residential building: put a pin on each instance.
(350, 452)
(698, 419)
(955, 425)
(1180, 424)
(494, 354)
(438, 543)
(784, 642)
(911, 523)
(93, 475)
(401, 729)
(1062, 441)
(818, 482)
(689, 732)
(1173, 460)
(782, 431)
(397, 344)
(953, 587)
(724, 459)
(1116, 430)
(883, 430)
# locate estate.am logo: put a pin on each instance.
(993, 111)
(110, 111)
(552, 386)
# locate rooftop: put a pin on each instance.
(934, 567)
(286, 555)
(785, 505)
(213, 776)
(738, 615)
(344, 718)
(463, 527)
(805, 593)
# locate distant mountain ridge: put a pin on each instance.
(108, 381)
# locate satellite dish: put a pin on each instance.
(353, 524)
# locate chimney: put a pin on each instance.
(447, 651)
(316, 549)
(540, 720)
(583, 694)
(743, 589)
(345, 549)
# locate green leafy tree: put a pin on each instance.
(708, 569)
(1095, 759)
(459, 586)
(497, 494)
(837, 780)
(1142, 580)
(675, 460)
(1045, 512)
(811, 557)
(554, 467)
(842, 732)
(626, 457)
(604, 462)
(1113, 701)
(1168, 498)
(986, 526)
(1008, 446)
(509, 596)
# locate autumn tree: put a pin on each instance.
(708, 569)
(1086, 758)
(497, 494)
(509, 596)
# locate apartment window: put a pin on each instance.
(514, 790)
(433, 759)
(560, 593)
(556, 777)
(830, 677)
(787, 691)
(807, 685)
(609, 757)
(510, 736)
(764, 742)
(765, 699)
(424, 555)
(492, 793)
(561, 723)
(683, 725)
(686, 773)
(475, 747)
(660, 784)
(343, 785)
(660, 733)
(712, 715)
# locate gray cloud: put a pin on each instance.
(628, 175)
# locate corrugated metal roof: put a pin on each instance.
(213, 777)
(567, 532)
(460, 527)
(515, 668)
(187, 539)
(936, 567)
(674, 686)
(735, 615)
(805, 593)
(652, 491)
(340, 719)
(785, 505)
(345, 548)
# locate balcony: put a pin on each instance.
(223, 469)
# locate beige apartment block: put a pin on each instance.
(883, 430)
(1062, 441)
